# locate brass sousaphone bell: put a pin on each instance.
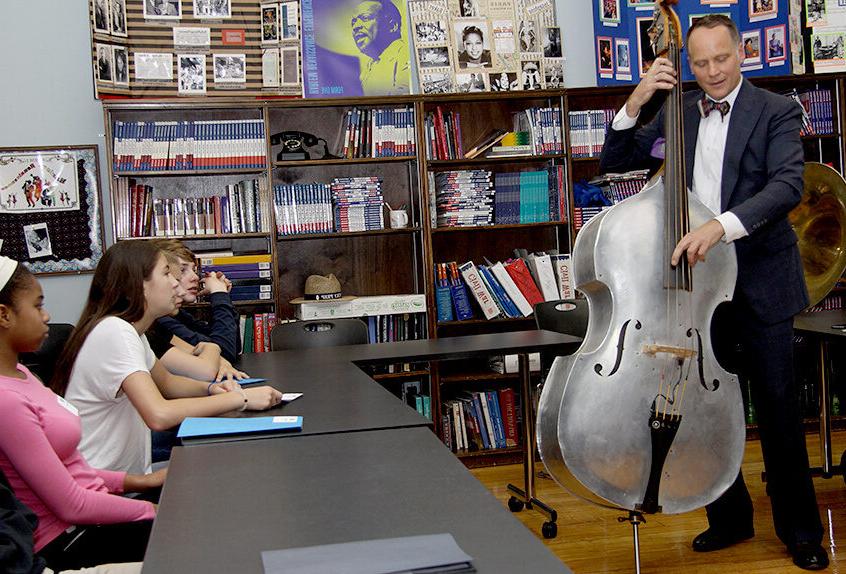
(820, 222)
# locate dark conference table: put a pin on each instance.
(223, 504)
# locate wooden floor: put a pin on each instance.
(590, 539)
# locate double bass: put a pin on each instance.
(643, 417)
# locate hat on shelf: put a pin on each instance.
(320, 289)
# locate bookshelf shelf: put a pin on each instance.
(399, 376)
(489, 452)
(337, 235)
(343, 161)
(585, 159)
(821, 137)
(468, 322)
(247, 303)
(192, 172)
(436, 163)
(209, 236)
(479, 376)
(498, 227)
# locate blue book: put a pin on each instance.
(216, 426)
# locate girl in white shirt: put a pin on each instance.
(109, 373)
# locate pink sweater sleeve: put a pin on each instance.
(23, 441)
(112, 478)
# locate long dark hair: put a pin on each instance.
(117, 289)
(19, 280)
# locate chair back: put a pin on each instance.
(319, 333)
(567, 316)
(43, 361)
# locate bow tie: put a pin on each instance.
(709, 105)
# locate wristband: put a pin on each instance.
(208, 389)
(243, 394)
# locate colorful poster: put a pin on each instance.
(41, 181)
(355, 48)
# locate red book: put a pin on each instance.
(507, 406)
(258, 333)
(518, 271)
(440, 134)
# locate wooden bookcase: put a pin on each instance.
(401, 261)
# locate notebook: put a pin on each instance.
(217, 426)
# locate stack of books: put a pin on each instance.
(255, 332)
(250, 274)
(379, 132)
(303, 208)
(464, 198)
(587, 131)
(483, 420)
(358, 203)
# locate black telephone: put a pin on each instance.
(294, 145)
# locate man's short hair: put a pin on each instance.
(176, 248)
(712, 21)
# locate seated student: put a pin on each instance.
(109, 373)
(223, 327)
(39, 434)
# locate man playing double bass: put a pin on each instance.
(744, 161)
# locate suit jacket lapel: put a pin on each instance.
(691, 131)
(744, 116)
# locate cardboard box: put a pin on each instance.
(362, 307)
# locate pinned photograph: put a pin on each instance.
(192, 73)
(623, 55)
(437, 83)
(212, 9)
(604, 55)
(530, 76)
(37, 240)
(650, 4)
(289, 27)
(552, 42)
(437, 57)
(645, 53)
(270, 24)
(528, 36)
(162, 9)
(503, 35)
(290, 58)
(118, 18)
(751, 47)
(105, 64)
(230, 68)
(503, 81)
(815, 13)
(762, 10)
(121, 70)
(472, 40)
(472, 82)
(553, 73)
(153, 67)
(470, 8)
(776, 39)
(101, 16)
(828, 49)
(609, 11)
(270, 67)
(191, 38)
(430, 32)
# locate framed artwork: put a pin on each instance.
(50, 208)
(645, 54)
(604, 55)
(762, 10)
(775, 38)
(751, 47)
(609, 11)
(623, 55)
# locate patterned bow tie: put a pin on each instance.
(708, 105)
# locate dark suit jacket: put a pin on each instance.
(763, 170)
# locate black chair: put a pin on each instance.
(567, 316)
(319, 333)
(43, 361)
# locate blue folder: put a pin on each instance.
(216, 426)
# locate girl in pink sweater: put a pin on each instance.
(81, 520)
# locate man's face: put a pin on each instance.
(366, 25)
(715, 60)
(474, 46)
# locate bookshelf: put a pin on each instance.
(386, 261)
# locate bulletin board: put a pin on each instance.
(50, 208)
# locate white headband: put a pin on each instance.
(7, 268)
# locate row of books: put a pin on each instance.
(251, 275)
(463, 198)
(484, 420)
(587, 131)
(619, 186)
(509, 290)
(411, 393)
(143, 214)
(303, 208)
(379, 132)
(581, 215)
(180, 145)
(255, 332)
(392, 328)
(831, 302)
(358, 204)
(542, 127)
(818, 115)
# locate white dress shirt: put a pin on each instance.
(708, 162)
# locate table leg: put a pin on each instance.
(827, 470)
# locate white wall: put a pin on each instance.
(47, 94)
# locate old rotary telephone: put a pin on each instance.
(294, 145)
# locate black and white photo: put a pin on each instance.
(101, 16)
(120, 57)
(553, 73)
(530, 76)
(430, 32)
(212, 9)
(118, 18)
(192, 73)
(815, 13)
(230, 68)
(437, 83)
(472, 82)
(503, 81)
(37, 240)
(552, 42)
(153, 67)
(162, 9)
(105, 64)
(436, 57)
(528, 36)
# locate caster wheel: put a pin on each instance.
(515, 504)
(549, 530)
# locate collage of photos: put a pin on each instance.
(110, 17)
(173, 10)
(481, 46)
(826, 24)
(280, 38)
(112, 65)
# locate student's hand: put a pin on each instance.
(223, 278)
(144, 482)
(661, 76)
(262, 398)
(214, 284)
(224, 387)
(202, 346)
(227, 371)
